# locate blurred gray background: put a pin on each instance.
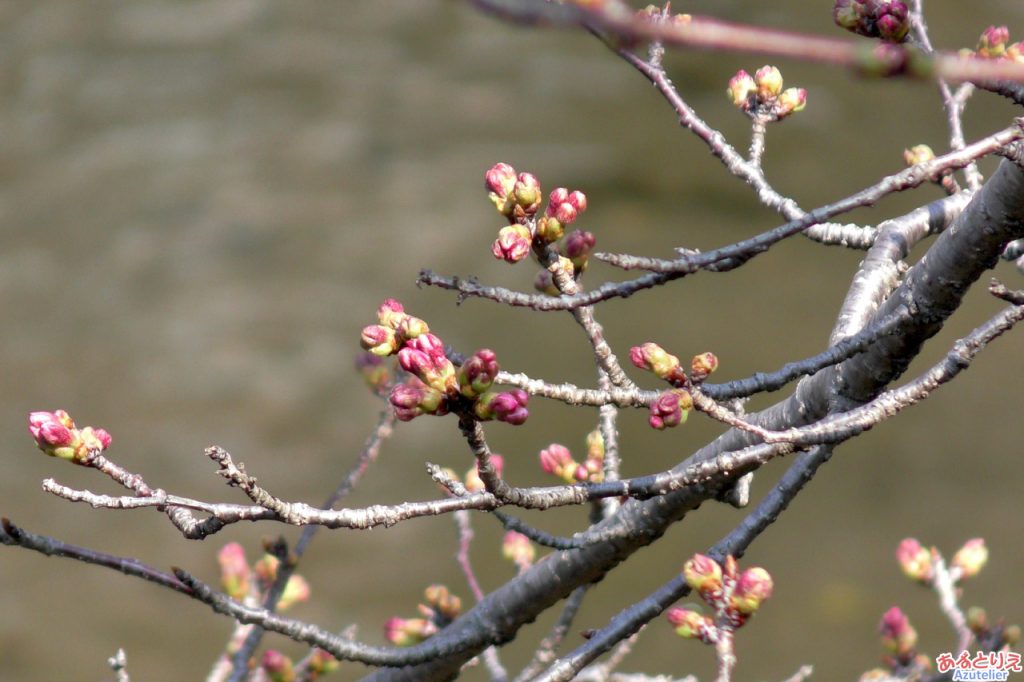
(203, 202)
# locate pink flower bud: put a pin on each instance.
(565, 213)
(768, 80)
(234, 570)
(379, 340)
(558, 196)
(655, 359)
(790, 101)
(527, 193)
(578, 247)
(518, 549)
(557, 460)
(971, 558)
(500, 179)
(478, 372)
(578, 200)
(390, 313)
(408, 631)
(704, 574)
(296, 590)
(670, 409)
(443, 602)
(742, 91)
(691, 624)
(473, 481)
(410, 400)
(702, 365)
(320, 662)
(431, 345)
(752, 589)
(915, 560)
(49, 431)
(511, 407)
(513, 243)
(993, 41)
(898, 636)
(277, 666)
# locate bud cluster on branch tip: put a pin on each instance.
(408, 631)
(56, 434)
(916, 561)
(761, 95)
(277, 666)
(994, 43)
(295, 590)
(658, 14)
(885, 19)
(442, 607)
(518, 198)
(734, 595)
(899, 638)
(558, 461)
(690, 623)
(518, 549)
(474, 483)
(655, 359)
(435, 386)
(234, 571)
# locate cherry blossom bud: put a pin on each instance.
(527, 193)
(898, 636)
(549, 229)
(379, 340)
(513, 243)
(411, 327)
(565, 213)
(443, 602)
(413, 398)
(234, 570)
(51, 434)
(847, 14)
(265, 570)
(474, 483)
(578, 200)
(702, 365)
(704, 574)
(892, 20)
(921, 153)
(992, 43)
(915, 560)
(478, 372)
(500, 179)
(1015, 52)
(742, 91)
(558, 196)
(653, 358)
(578, 247)
(509, 407)
(691, 624)
(752, 589)
(791, 100)
(296, 590)
(390, 313)
(277, 666)
(518, 549)
(320, 663)
(971, 558)
(557, 460)
(670, 409)
(408, 631)
(768, 80)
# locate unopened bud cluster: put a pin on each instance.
(994, 43)
(888, 20)
(761, 95)
(659, 14)
(899, 639)
(435, 386)
(558, 461)
(919, 563)
(56, 434)
(245, 583)
(518, 549)
(671, 407)
(733, 596)
(518, 197)
(438, 609)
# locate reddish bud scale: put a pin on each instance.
(670, 409)
(509, 407)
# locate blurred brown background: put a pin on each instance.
(203, 202)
